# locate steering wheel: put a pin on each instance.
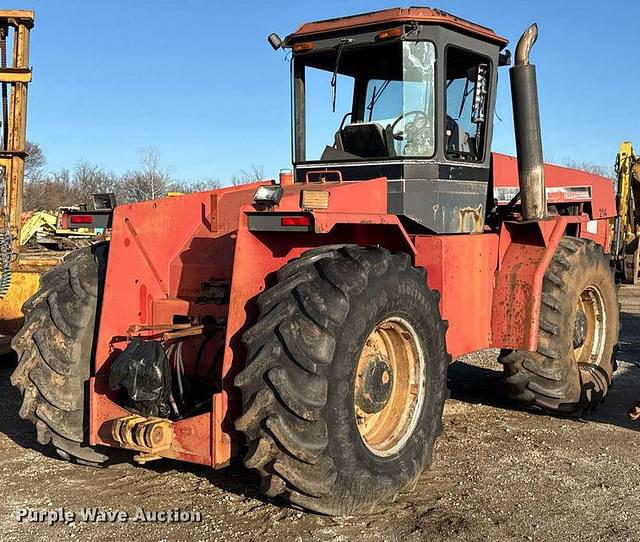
(419, 124)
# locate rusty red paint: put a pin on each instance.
(181, 243)
(176, 249)
(526, 250)
(462, 269)
(393, 16)
(602, 203)
(144, 300)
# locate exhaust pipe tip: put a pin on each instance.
(526, 119)
(525, 43)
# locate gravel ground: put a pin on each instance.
(499, 474)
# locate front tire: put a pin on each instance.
(55, 349)
(579, 324)
(345, 381)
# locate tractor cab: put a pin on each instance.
(406, 94)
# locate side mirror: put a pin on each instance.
(504, 59)
(478, 112)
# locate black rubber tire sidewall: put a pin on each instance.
(598, 275)
(408, 299)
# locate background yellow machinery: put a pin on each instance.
(626, 227)
(19, 272)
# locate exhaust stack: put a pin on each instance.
(526, 117)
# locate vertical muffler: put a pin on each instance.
(526, 118)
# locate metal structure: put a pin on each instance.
(14, 78)
(20, 274)
(309, 324)
(626, 226)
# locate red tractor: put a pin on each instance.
(308, 325)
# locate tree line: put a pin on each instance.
(48, 190)
(45, 189)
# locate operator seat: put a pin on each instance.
(366, 140)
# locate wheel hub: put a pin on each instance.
(376, 382)
(589, 332)
(389, 386)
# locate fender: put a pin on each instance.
(525, 252)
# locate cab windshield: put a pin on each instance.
(370, 102)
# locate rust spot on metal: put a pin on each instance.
(470, 219)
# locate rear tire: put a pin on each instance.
(55, 349)
(579, 323)
(302, 409)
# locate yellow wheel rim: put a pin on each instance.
(389, 386)
(590, 327)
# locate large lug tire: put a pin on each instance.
(349, 343)
(55, 349)
(579, 323)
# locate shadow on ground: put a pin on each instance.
(625, 390)
(18, 430)
(472, 383)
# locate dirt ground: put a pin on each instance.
(499, 474)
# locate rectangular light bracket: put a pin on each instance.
(286, 222)
(268, 195)
(314, 199)
(87, 219)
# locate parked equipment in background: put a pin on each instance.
(19, 272)
(309, 325)
(22, 262)
(626, 226)
(69, 228)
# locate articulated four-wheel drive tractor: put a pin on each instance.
(307, 325)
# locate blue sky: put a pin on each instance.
(196, 79)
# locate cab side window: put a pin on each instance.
(466, 105)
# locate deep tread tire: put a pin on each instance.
(550, 379)
(298, 386)
(55, 348)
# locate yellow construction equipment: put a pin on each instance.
(19, 272)
(39, 223)
(626, 227)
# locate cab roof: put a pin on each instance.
(395, 16)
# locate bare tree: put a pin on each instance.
(189, 187)
(252, 174)
(148, 182)
(64, 188)
(90, 179)
(34, 162)
(590, 167)
(50, 191)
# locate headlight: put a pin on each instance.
(268, 195)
